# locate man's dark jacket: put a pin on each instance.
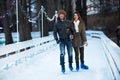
(64, 29)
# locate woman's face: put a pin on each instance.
(76, 17)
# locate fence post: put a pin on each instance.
(17, 21)
(56, 16)
(42, 11)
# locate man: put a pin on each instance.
(65, 30)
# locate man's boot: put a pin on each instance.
(63, 68)
(70, 67)
(77, 67)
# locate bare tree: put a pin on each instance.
(82, 9)
(68, 8)
(84, 12)
(57, 4)
(6, 22)
(78, 6)
(66, 5)
(29, 12)
(24, 28)
(101, 12)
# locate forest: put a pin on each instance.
(15, 16)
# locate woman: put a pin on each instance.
(79, 40)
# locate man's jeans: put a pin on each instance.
(68, 44)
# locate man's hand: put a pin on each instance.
(71, 37)
(58, 41)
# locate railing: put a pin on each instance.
(112, 54)
(23, 51)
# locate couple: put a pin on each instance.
(70, 34)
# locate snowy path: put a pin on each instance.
(46, 66)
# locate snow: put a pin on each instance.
(45, 66)
(92, 3)
(14, 35)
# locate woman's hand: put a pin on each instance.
(86, 43)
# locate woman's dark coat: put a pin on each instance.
(80, 37)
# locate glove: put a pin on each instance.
(86, 43)
(58, 41)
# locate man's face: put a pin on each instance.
(62, 17)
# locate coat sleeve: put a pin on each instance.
(72, 28)
(55, 32)
(84, 33)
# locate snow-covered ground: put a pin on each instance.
(14, 35)
(45, 66)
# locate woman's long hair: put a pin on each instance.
(79, 17)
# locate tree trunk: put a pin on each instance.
(24, 28)
(30, 14)
(38, 6)
(84, 12)
(82, 9)
(107, 7)
(68, 8)
(101, 12)
(57, 4)
(21, 26)
(7, 31)
(78, 6)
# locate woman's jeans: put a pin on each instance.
(79, 52)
